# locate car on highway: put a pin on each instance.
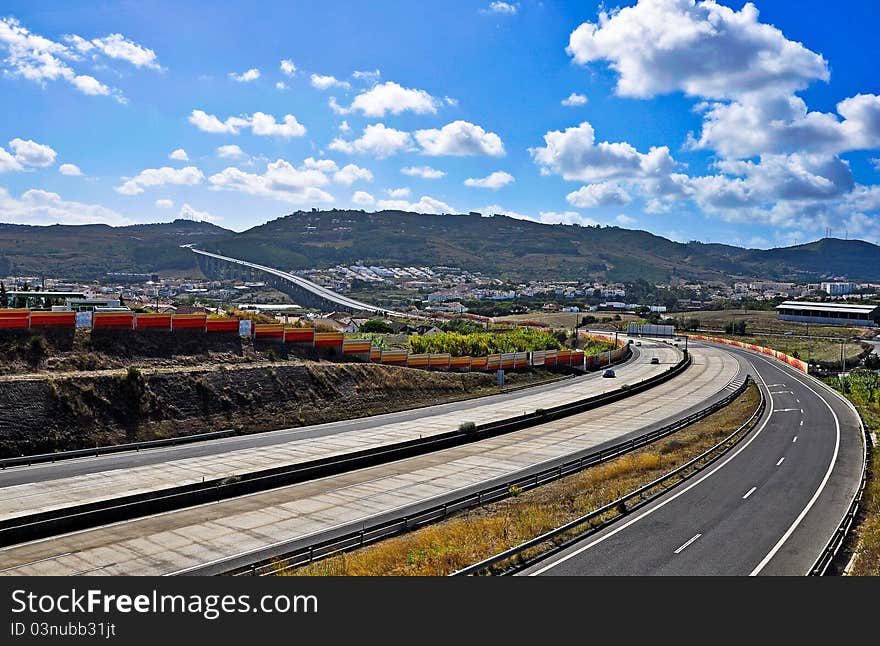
(608, 373)
(638, 343)
(655, 360)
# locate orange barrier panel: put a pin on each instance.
(299, 335)
(439, 361)
(563, 357)
(418, 360)
(375, 355)
(328, 339)
(225, 324)
(356, 346)
(551, 357)
(143, 321)
(521, 360)
(459, 363)
(479, 363)
(53, 319)
(507, 361)
(394, 357)
(14, 319)
(268, 331)
(113, 320)
(188, 321)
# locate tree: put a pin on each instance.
(736, 327)
(375, 325)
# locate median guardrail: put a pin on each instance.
(40, 525)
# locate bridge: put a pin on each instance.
(303, 292)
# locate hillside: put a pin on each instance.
(498, 246)
(86, 252)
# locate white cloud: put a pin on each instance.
(189, 213)
(425, 172)
(459, 138)
(377, 140)
(575, 155)
(280, 85)
(281, 181)
(118, 47)
(8, 163)
(245, 77)
(326, 82)
(391, 97)
(601, 194)
(42, 207)
(164, 204)
(625, 220)
(323, 165)
(260, 123)
(352, 173)
(494, 180)
(288, 67)
(90, 85)
(426, 204)
(362, 198)
(398, 193)
(179, 155)
(344, 127)
(229, 151)
(371, 76)
(503, 8)
(149, 177)
(30, 153)
(575, 100)
(70, 169)
(265, 125)
(700, 48)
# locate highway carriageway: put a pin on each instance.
(214, 538)
(768, 507)
(49, 488)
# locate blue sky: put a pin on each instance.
(752, 125)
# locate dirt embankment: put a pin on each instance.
(56, 412)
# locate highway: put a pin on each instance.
(767, 508)
(208, 539)
(52, 486)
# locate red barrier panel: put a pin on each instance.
(268, 331)
(328, 339)
(439, 361)
(508, 361)
(356, 346)
(14, 319)
(189, 321)
(112, 320)
(53, 319)
(153, 321)
(479, 363)
(225, 324)
(459, 363)
(375, 355)
(418, 360)
(299, 335)
(394, 357)
(521, 360)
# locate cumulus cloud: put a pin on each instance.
(398, 193)
(245, 77)
(391, 97)
(459, 138)
(625, 220)
(425, 172)
(575, 100)
(377, 140)
(280, 85)
(71, 170)
(229, 151)
(260, 123)
(326, 82)
(700, 48)
(30, 153)
(503, 8)
(288, 67)
(362, 198)
(40, 207)
(494, 180)
(426, 204)
(575, 155)
(40, 60)
(370, 76)
(179, 155)
(164, 204)
(352, 173)
(150, 177)
(189, 213)
(601, 194)
(8, 163)
(280, 181)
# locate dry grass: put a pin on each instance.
(867, 561)
(470, 536)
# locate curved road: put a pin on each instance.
(769, 507)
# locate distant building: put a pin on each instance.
(837, 289)
(829, 313)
